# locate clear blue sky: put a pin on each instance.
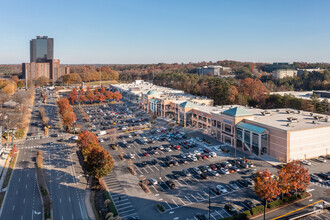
(138, 31)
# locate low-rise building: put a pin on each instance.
(281, 73)
(212, 70)
(285, 134)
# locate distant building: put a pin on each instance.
(301, 71)
(41, 49)
(212, 70)
(281, 73)
(42, 62)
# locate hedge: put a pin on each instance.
(289, 199)
(258, 209)
(242, 216)
(275, 203)
(160, 208)
(112, 208)
(303, 195)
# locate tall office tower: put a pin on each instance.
(41, 49)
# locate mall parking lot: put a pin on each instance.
(191, 189)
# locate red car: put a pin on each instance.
(206, 150)
(213, 167)
(177, 147)
(203, 156)
(146, 154)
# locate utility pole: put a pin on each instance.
(100, 76)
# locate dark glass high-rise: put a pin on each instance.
(41, 49)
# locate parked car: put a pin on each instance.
(153, 181)
(204, 176)
(231, 209)
(315, 178)
(233, 185)
(325, 176)
(214, 173)
(186, 172)
(222, 189)
(249, 204)
(243, 182)
(170, 184)
(321, 159)
(197, 170)
(306, 162)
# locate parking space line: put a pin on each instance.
(178, 182)
(127, 211)
(175, 203)
(188, 199)
(123, 208)
(123, 204)
(242, 203)
(150, 168)
(226, 212)
(138, 169)
(194, 197)
(154, 188)
(168, 204)
(182, 201)
(213, 216)
(201, 196)
(166, 178)
(218, 213)
(156, 167)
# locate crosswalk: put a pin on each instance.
(41, 146)
(118, 195)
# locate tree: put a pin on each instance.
(100, 97)
(82, 91)
(298, 176)
(90, 96)
(73, 96)
(266, 187)
(73, 78)
(117, 96)
(10, 88)
(42, 81)
(86, 142)
(102, 90)
(109, 95)
(82, 98)
(283, 181)
(232, 91)
(98, 162)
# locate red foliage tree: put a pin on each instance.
(117, 96)
(86, 142)
(266, 187)
(90, 96)
(254, 89)
(98, 162)
(299, 178)
(109, 95)
(102, 90)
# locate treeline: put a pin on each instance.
(316, 80)
(98, 95)
(248, 91)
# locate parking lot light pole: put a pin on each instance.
(209, 203)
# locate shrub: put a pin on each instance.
(19, 133)
(160, 208)
(39, 159)
(303, 195)
(246, 213)
(121, 157)
(111, 207)
(274, 203)
(114, 147)
(131, 170)
(289, 199)
(258, 209)
(145, 188)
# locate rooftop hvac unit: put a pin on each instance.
(326, 119)
(288, 124)
(311, 114)
(314, 122)
(277, 110)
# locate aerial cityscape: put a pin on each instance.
(165, 110)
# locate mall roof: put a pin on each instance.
(187, 104)
(253, 128)
(237, 112)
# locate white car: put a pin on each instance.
(214, 173)
(221, 189)
(306, 162)
(153, 181)
(131, 156)
(234, 186)
(196, 152)
(101, 140)
(213, 154)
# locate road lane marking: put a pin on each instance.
(13, 207)
(26, 186)
(69, 199)
(24, 201)
(16, 192)
(297, 210)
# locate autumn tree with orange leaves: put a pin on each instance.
(266, 187)
(66, 112)
(254, 90)
(117, 96)
(297, 178)
(97, 161)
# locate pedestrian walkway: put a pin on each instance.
(118, 195)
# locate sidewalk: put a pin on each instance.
(88, 204)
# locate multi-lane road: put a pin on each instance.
(64, 175)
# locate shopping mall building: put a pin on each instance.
(285, 134)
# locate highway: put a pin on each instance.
(64, 175)
(22, 199)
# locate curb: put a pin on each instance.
(284, 206)
(89, 208)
